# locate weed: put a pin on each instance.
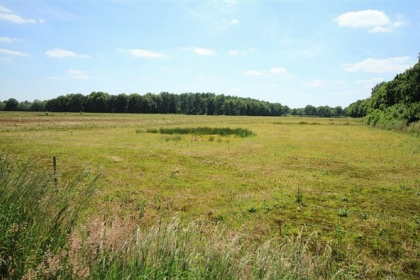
(343, 212)
(299, 196)
(363, 215)
(252, 209)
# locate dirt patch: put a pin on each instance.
(115, 158)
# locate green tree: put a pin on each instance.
(120, 103)
(11, 105)
(310, 110)
(38, 105)
(24, 106)
(96, 102)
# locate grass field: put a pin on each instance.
(358, 187)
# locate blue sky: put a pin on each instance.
(292, 52)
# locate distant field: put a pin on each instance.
(357, 186)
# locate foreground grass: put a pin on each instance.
(41, 241)
(359, 187)
(36, 216)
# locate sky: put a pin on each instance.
(292, 52)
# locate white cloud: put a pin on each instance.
(233, 52)
(145, 53)
(230, 22)
(13, 53)
(254, 73)
(373, 20)
(5, 10)
(77, 74)
(392, 64)
(272, 70)
(379, 29)
(205, 52)
(9, 40)
(234, 21)
(16, 19)
(8, 15)
(60, 53)
(278, 70)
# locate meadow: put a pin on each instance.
(353, 188)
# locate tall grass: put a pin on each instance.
(201, 251)
(36, 215)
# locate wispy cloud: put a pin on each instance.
(141, 53)
(278, 70)
(9, 40)
(224, 5)
(372, 20)
(13, 53)
(60, 53)
(227, 23)
(8, 15)
(71, 74)
(255, 73)
(272, 70)
(392, 64)
(204, 52)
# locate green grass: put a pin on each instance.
(223, 131)
(41, 240)
(247, 186)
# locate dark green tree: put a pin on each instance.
(310, 110)
(11, 105)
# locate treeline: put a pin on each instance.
(392, 104)
(166, 103)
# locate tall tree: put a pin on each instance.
(11, 105)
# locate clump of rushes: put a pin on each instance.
(224, 131)
(36, 216)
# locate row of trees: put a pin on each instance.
(167, 103)
(393, 102)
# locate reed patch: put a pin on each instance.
(197, 131)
